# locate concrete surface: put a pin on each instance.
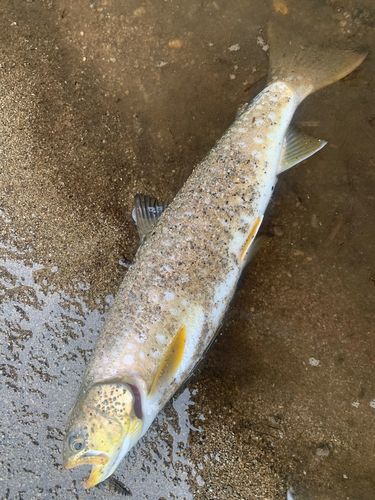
(102, 100)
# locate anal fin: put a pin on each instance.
(298, 147)
(171, 362)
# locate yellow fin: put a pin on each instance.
(171, 362)
(250, 238)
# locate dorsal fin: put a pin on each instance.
(170, 363)
(146, 213)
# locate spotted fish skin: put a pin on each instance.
(187, 270)
(174, 296)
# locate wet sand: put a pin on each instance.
(103, 100)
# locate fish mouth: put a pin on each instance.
(101, 461)
(91, 457)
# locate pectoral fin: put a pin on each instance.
(298, 147)
(170, 363)
(146, 213)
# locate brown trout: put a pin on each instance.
(176, 292)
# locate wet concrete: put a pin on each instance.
(102, 100)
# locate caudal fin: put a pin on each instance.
(305, 67)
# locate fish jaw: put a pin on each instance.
(100, 461)
(100, 472)
(95, 477)
(103, 463)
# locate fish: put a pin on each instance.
(175, 294)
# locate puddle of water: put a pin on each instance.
(46, 336)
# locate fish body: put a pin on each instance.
(174, 296)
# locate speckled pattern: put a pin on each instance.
(194, 250)
(105, 99)
(112, 406)
(186, 270)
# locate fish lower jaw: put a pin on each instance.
(100, 472)
(94, 478)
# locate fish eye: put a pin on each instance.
(75, 443)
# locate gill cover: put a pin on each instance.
(101, 428)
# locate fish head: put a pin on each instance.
(102, 427)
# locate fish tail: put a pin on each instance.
(304, 67)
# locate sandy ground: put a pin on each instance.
(102, 100)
